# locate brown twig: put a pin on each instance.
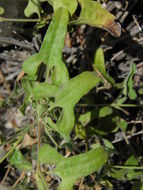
(128, 137)
(5, 176)
(19, 179)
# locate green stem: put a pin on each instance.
(129, 167)
(3, 19)
(13, 147)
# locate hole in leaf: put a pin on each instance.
(56, 114)
(41, 73)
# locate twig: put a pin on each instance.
(19, 179)
(5, 176)
(81, 183)
(128, 137)
(3, 19)
(137, 23)
(23, 44)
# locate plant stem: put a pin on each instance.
(129, 167)
(3, 19)
(39, 142)
(11, 150)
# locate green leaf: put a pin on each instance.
(93, 14)
(67, 98)
(128, 84)
(18, 160)
(66, 4)
(140, 91)
(75, 88)
(123, 125)
(80, 131)
(2, 11)
(41, 182)
(127, 174)
(27, 86)
(51, 51)
(108, 144)
(132, 94)
(104, 111)
(75, 167)
(99, 65)
(33, 7)
(84, 119)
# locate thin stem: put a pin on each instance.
(129, 167)
(39, 142)
(6, 174)
(19, 179)
(11, 150)
(3, 19)
(51, 138)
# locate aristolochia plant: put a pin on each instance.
(53, 95)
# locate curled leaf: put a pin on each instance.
(94, 15)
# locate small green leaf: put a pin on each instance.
(33, 7)
(132, 94)
(27, 86)
(123, 125)
(84, 119)
(104, 111)
(2, 11)
(128, 84)
(108, 144)
(140, 91)
(18, 160)
(80, 131)
(99, 65)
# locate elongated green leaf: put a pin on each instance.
(69, 5)
(27, 86)
(93, 14)
(51, 51)
(41, 182)
(132, 94)
(77, 87)
(33, 7)
(99, 64)
(128, 84)
(18, 160)
(75, 167)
